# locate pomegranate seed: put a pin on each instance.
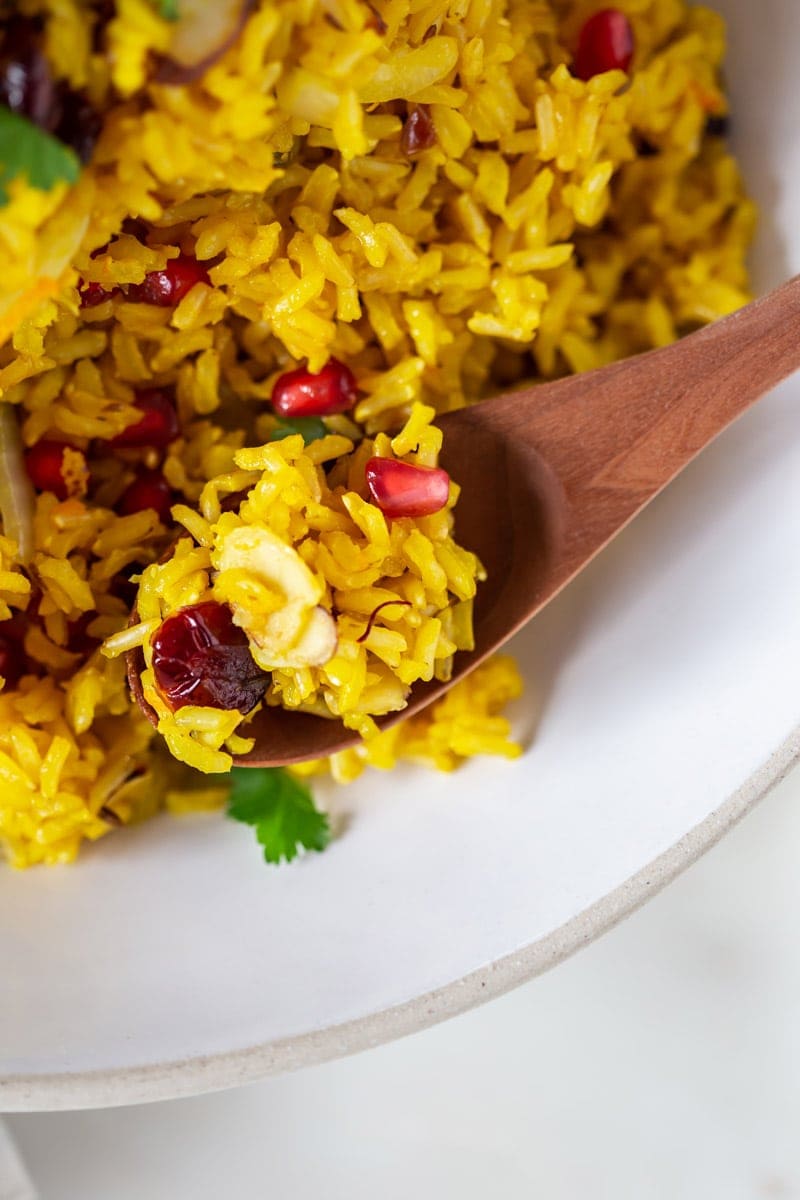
(12, 656)
(403, 490)
(94, 293)
(44, 463)
(148, 490)
(301, 394)
(201, 657)
(605, 43)
(158, 425)
(167, 287)
(418, 131)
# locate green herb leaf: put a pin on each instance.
(281, 810)
(168, 9)
(25, 149)
(312, 429)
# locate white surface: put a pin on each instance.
(663, 1063)
(15, 1183)
(662, 680)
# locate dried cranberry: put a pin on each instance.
(404, 490)
(201, 657)
(44, 463)
(13, 664)
(169, 286)
(94, 293)
(301, 394)
(149, 490)
(605, 43)
(158, 425)
(418, 131)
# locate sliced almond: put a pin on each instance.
(300, 633)
(205, 29)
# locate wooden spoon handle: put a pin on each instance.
(635, 424)
(615, 437)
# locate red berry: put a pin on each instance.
(418, 131)
(149, 490)
(94, 293)
(44, 463)
(158, 425)
(201, 657)
(403, 490)
(167, 287)
(301, 394)
(605, 43)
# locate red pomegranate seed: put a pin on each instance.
(44, 463)
(418, 131)
(403, 490)
(158, 425)
(605, 43)
(167, 287)
(301, 394)
(149, 490)
(201, 657)
(94, 293)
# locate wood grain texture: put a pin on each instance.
(551, 473)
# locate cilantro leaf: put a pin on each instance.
(25, 149)
(281, 810)
(312, 429)
(168, 9)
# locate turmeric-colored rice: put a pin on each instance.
(552, 225)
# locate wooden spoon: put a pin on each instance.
(550, 474)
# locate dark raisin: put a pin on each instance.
(80, 124)
(27, 86)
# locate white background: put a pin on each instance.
(661, 1063)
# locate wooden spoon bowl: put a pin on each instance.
(551, 473)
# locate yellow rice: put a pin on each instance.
(555, 226)
(409, 571)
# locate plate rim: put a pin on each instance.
(200, 1074)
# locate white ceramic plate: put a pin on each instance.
(664, 696)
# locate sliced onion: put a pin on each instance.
(205, 29)
(16, 489)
